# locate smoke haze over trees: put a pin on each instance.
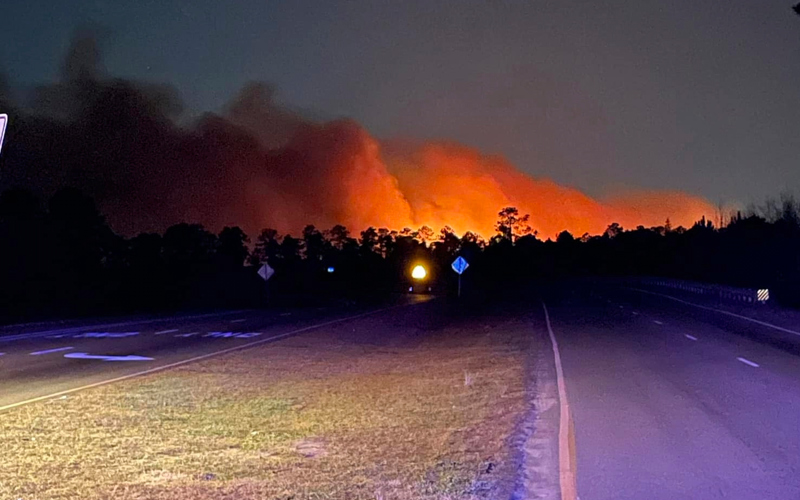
(128, 145)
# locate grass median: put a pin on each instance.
(321, 415)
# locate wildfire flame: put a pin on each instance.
(360, 183)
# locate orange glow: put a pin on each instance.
(357, 182)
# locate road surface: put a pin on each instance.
(669, 401)
(672, 402)
(39, 360)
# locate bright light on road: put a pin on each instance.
(419, 273)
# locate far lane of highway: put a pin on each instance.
(38, 366)
(675, 402)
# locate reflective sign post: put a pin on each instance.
(266, 272)
(459, 266)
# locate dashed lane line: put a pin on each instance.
(172, 330)
(49, 351)
(727, 313)
(748, 362)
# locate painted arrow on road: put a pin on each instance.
(86, 355)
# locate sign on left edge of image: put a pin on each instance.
(3, 123)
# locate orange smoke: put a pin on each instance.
(348, 178)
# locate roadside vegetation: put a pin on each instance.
(321, 415)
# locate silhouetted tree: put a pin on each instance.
(232, 250)
(613, 230)
(370, 242)
(314, 243)
(267, 248)
(510, 225)
(565, 238)
(339, 237)
(425, 235)
(188, 248)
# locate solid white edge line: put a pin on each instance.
(566, 469)
(191, 360)
(657, 322)
(746, 318)
(690, 337)
(748, 362)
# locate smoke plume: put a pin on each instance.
(261, 165)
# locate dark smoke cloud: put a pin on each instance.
(259, 164)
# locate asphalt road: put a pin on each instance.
(675, 402)
(42, 360)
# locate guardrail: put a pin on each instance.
(728, 293)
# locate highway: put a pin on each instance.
(40, 361)
(671, 401)
(668, 400)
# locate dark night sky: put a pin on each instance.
(682, 94)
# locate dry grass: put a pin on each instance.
(316, 416)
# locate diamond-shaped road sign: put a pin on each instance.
(266, 272)
(459, 265)
(3, 122)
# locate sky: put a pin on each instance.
(598, 95)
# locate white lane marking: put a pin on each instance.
(621, 307)
(48, 351)
(76, 329)
(219, 335)
(748, 362)
(248, 335)
(690, 337)
(2, 354)
(197, 358)
(746, 318)
(184, 335)
(103, 335)
(635, 313)
(565, 467)
(102, 357)
(657, 322)
(162, 332)
(238, 320)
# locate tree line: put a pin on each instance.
(60, 258)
